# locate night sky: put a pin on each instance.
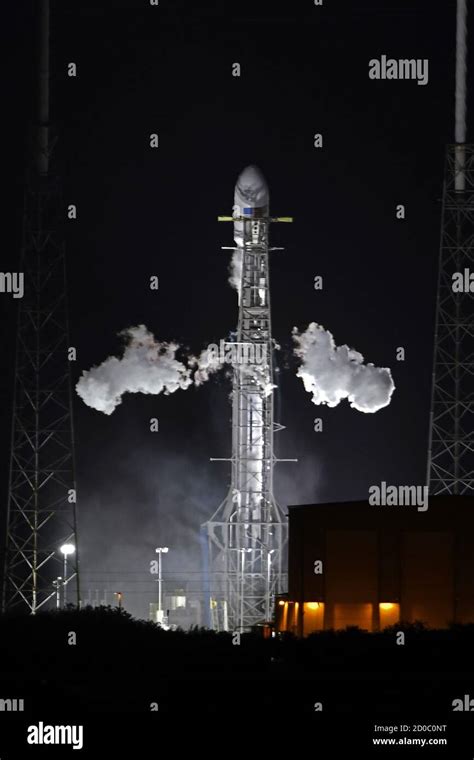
(143, 212)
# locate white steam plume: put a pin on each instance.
(235, 270)
(259, 374)
(332, 373)
(147, 366)
(204, 365)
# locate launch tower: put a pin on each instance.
(450, 467)
(41, 508)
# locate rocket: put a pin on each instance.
(251, 202)
(247, 534)
(251, 199)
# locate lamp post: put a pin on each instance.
(57, 585)
(65, 550)
(160, 550)
(269, 585)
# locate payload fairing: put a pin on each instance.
(247, 535)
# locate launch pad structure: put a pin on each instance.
(246, 538)
(41, 529)
(450, 466)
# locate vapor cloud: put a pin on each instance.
(147, 366)
(204, 365)
(151, 366)
(235, 270)
(332, 373)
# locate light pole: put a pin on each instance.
(269, 585)
(65, 550)
(57, 585)
(160, 550)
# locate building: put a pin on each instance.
(181, 609)
(356, 564)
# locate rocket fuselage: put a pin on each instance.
(253, 381)
(248, 532)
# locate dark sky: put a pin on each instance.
(168, 69)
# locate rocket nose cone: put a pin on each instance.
(251, 187)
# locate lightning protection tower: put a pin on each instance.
(451, 438)
(41, 508)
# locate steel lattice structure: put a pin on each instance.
(41, 509)
(247, 536)
(451, 440)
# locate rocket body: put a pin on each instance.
(248, 533)
(253, 381)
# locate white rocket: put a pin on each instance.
(248, 533)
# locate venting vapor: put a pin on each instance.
(332, 373)
(147, 366)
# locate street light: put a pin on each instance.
(65, 550)
(269, 584)
(160, 550)
(57, 585)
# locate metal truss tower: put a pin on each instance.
(41, 509)
(451, 438)
(451, 444)
(247, 536)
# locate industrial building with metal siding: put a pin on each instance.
(355, 564)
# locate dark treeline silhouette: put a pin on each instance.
(122, 664)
